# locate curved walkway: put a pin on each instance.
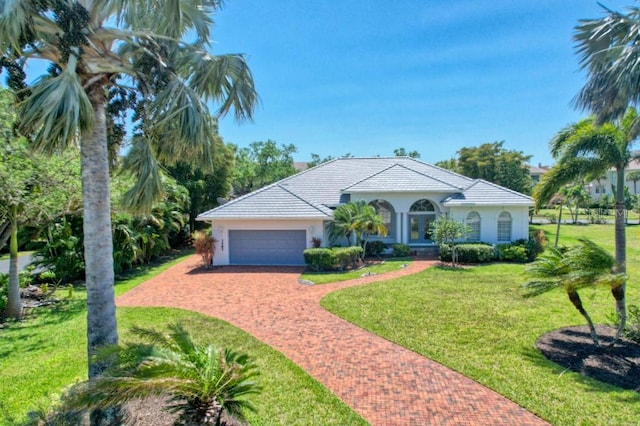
(385, 383)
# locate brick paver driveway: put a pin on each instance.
(386, 383)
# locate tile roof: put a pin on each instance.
(400, 178)
(481, 192)
(312, 192)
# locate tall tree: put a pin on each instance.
(32, 189)
(494, 163)
(634, 176)
(90, 45)
(584, 149)
(205, 185)
(261, 164)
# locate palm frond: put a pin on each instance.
(225, 79)
(566, 172)
(141, 163)
(14, 22)
(609, 51)
(58, 111)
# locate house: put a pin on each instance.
(605, 185)
(273, 225)
(536, 172)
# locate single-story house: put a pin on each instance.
(275, 224)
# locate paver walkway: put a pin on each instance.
(385, 383)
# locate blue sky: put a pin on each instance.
(365, 77)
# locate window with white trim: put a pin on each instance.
(504, 227)
(473, 221)
(385, 210)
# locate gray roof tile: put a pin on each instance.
(481, 192)
(311, 193)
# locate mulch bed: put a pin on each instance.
(614, 363)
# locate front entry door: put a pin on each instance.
(421, 228)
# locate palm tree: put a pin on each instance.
(343, 224)
(634, 177)
(584, 265)
(584, 149)
(201, 381)
(96, 45)
(369, 222)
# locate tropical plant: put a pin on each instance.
(584, 149)
(584, 265)
(202, 382)
(446, 231)
(368, 222)
(343, 224)
(205, 244)
(634, 176)
(92, 46)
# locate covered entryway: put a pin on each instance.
(267, 247)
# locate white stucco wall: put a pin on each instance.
(489, 220)
(220, 230)
(402, 202)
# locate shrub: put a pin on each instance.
(537, 241)
(512, 252)
(374, 248)
(320, 259)
(330, 259)
(468, 253)
(401, 250)
(348, 257)
(204, 245)
(633, 323)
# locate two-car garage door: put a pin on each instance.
(272, 247)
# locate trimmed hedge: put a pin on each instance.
(469, 253)
(374, 248)
(401, 250)
(331, 259)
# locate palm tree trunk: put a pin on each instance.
(558, 226)
(577, 302)
(621, 251)
(98, 247)
(14, 304)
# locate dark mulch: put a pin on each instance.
(150, 412)
(573, 348)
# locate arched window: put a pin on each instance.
(504, 227)
(422, 206)
(385, 210)
(473, 221)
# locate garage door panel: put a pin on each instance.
(267, 247)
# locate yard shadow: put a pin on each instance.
(257, 269)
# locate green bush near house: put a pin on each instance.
(332, 259)
(401, 250)
(374, 249)
(469, 252)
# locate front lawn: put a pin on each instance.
(375, 268)
(476, 321)
(46, 353)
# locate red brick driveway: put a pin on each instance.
(385, 383)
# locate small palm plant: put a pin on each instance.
(201, 381)
(584, 265)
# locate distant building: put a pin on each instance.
(537, 172)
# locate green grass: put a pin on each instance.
(46, 353)
(389, 265)
(477, 322)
